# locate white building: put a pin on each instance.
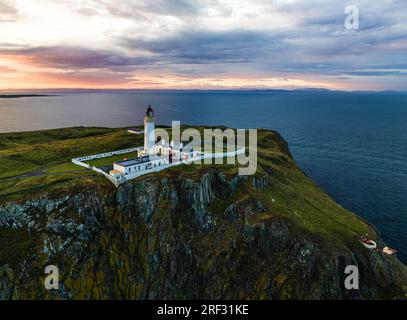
(153, 155)
(138, 165)
(135, 131)
(175, 152)
(149, 131)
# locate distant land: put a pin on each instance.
(15, 96)
(58, 91)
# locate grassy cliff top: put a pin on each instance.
(37, 163)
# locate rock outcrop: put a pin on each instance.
(213, 236)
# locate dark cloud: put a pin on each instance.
(209, 47)
(75, 58)
(330, 15)
(310, 51)
(334, 21)
(373, 73)
(173, 7)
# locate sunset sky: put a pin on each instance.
(201, 44)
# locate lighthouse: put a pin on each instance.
(149, 131)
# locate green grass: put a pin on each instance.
(45, 156)
(292, 195)
(64, 167)
(22, 153)
(16, 189)
(109, 160)
(308, 211)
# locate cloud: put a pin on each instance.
(73, 57)
(203, 47)
(89, 77)
(5, 69)
(8, 13)
(210, 40)
(141, 8)
(241, 51)
(375, 73)
(173, 7)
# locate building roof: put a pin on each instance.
(136, 161)
(175, 145)
(135, 129)
(132, 162)
(149, 111)
(127, 163)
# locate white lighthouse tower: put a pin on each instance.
(149, 131)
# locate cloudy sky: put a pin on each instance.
(207, 44)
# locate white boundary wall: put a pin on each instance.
(198, 158)
(107, 154)
(117, 182)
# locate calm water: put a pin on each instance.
(354, 145)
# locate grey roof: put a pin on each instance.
(133, 162)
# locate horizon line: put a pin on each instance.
(79, 90)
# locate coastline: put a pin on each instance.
(272, 218)
(16, 96)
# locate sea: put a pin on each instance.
(352, 144)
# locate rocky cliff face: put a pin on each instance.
(213, 236)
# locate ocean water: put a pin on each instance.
(354, 145)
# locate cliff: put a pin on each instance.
(191, 232)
